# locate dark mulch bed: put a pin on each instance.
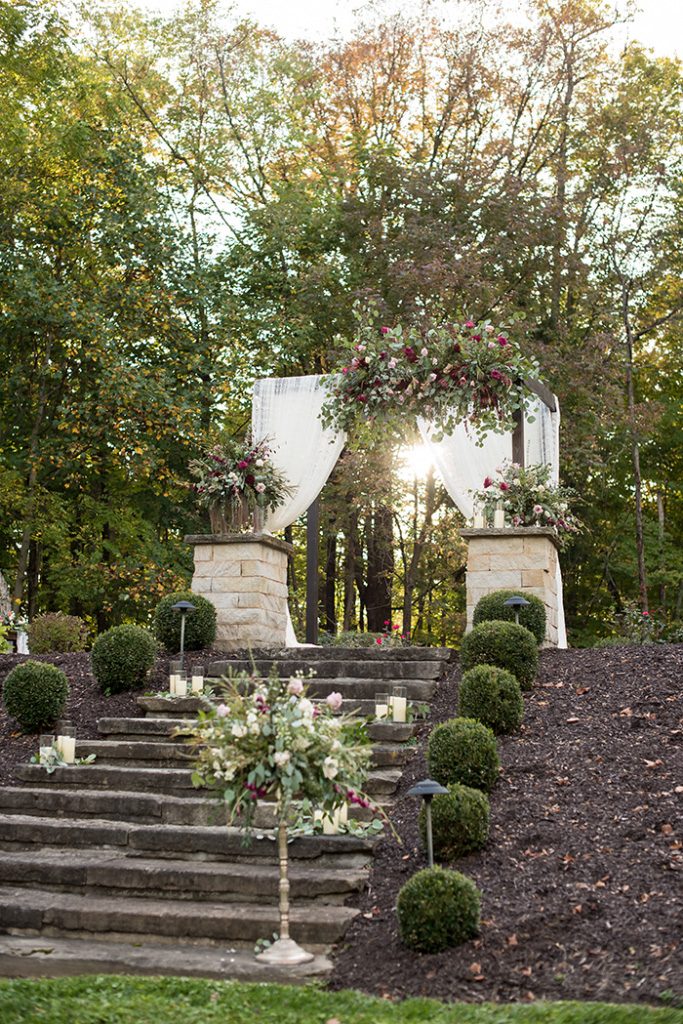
(85, 705)
(581, 878)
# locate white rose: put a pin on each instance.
(306, 707)
(238, 731)
(281, 757)
(330, 767)
(259, 463)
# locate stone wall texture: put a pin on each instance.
(245, 578)
(513, 559)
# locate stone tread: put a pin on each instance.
(158, 729)
(42, 911)
(164, 708)
(167, 879)
(371, 671)
(217, 842)
(337, 652)
(58, 957)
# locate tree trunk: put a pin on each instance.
(380, 569)
(330, 593)
(635, 451)
(350, 575)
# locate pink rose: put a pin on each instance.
(242, 464)
(222, 711)
(334, 700)
(502, 340)
(469, 323)
(295, 686)
(384, 330)
(503, 486)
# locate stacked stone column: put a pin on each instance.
(245, 578)
(519, 559)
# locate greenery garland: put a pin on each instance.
(445, 374)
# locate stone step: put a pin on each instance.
(197, 842)
(175, 708)
(102, 873)
(177, 781)
(158, 730)
(376, 670)
(358, 689)
(333, 652)
(141, 754)
(141, 808)
(121, 918)
(58, 957)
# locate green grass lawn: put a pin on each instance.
(122, 1000)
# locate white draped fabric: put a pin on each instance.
(462, 465)
(286, 410)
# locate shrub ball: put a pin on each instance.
(200, 625)
(56, 633)
(504, 644)
(492, 608)
(493, 696)
(35, 694)
(460, 822)
(437, 909)
(122, 657)
(463, 750)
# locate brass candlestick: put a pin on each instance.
(284, 952)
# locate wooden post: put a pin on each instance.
(312, 533)
(518, 438)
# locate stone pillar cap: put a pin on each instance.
(240, 538)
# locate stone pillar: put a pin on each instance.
(520, 558)
(245, 577)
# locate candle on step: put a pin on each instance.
(499, 518)
(45, 747)
(173, 683)
(399, 703)
(382, 705)
(197, 680)
(332, 822)
(181, 686)
(66, 745)
(479, 522)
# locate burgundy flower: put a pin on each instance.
(410, 354)
(504, 486)
(487, 481)
(502, 340)
(456, 347)
(242, 464)
(496, 374)
(250, 479)
(384, 330)
(362, 398)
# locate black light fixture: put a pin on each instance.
(183, 607)
(428, 789)
(516, 602)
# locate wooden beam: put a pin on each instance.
(543, 392)
(312, 534)
(518, 438)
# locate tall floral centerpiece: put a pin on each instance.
(527, 497)
(268, 739)
(447, 373)
(237, 482)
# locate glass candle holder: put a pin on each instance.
(197, 683)
(46, 743)
(499, 518)
(382, 703)
(399, 703)
(181, 686)
(175, 671)
(66, 742)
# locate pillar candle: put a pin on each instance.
(173, 683)
(479, 522)
(400, 708)
(66, 745)
(499, 519)
(181, 687)
(197, 684)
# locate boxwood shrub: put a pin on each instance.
(437, 909)
(122, 657)
(200, 625)
(463, 750)
(492, 608)
(35, 694)
(493, 696)
(460, 822)
(504, 644)
(53, 632)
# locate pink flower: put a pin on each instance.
(378, 640)
(295, 686)
(462, 382)
(242, 464)
(489, 329)
(391, 364)
(502, 340)
(260, 487)
(487, 481)
(503, 486)
(222, 711)
(345, 369)
(334, 700)
(538, 509)
(424, 352)
(384, 330)
(469, 323)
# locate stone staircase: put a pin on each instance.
(122, 865)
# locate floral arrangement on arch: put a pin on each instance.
(528, 498)
(235, 478)
(268, 738)
(470, 371)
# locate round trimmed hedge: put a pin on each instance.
(492, 608)
(122, 657)
(493, 696)
(460, 821)
(35, 694)
(53, 633)
(463, 750)
(200, 625)
(504, 644)
(437, 909)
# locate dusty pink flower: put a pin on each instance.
(222, 710)
(295, 686)
(334, 700)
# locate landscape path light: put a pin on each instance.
(183, 607)
(428, 789)
(516, 602)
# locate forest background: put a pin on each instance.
(190, 202)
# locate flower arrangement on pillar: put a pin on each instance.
(267, 738)
(526, 497)
(237, 483)
(445, 373)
